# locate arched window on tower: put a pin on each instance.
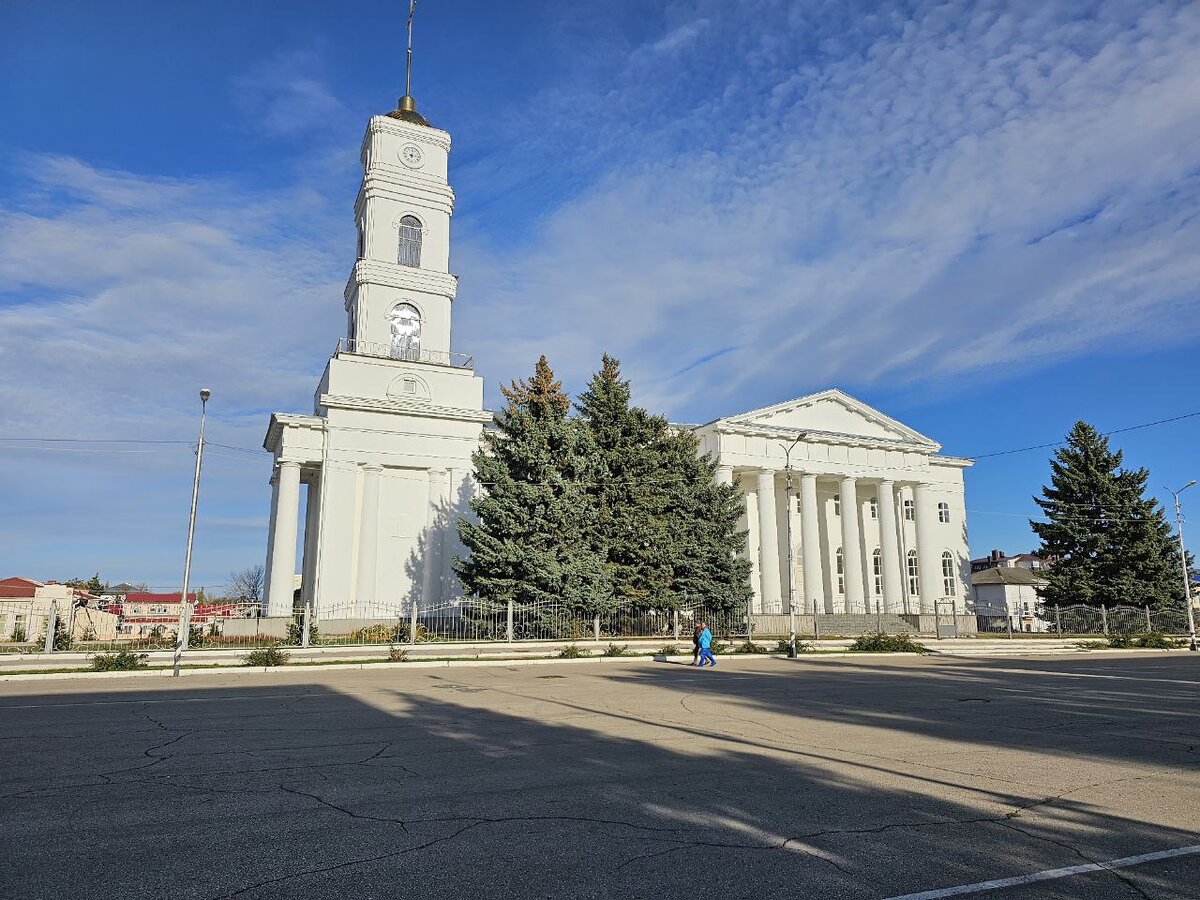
(949, 580)
(944, 513)
(410, 242)
(404, 322)
(877, 570)
(841, 571)
(914, 580)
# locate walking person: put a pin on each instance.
(696, 629)
(706, 646)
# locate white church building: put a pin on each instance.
(875, 515)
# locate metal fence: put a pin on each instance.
(1081, 619)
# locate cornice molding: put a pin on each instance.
(404, 278)
(434, 195)
(416, 133)
(814, 436)
(279, 421)
(396, 407)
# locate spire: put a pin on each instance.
(406, 108)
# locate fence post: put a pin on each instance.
(675, 623)
(1058, 620)
(509, 626)
(305, 624)
(596, 627)
(1104, 618)
(816, 621)
(412, 623)
(1008, 624)
(1149, 625)
(51, 626)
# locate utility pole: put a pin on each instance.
(791, 554)
(181, 638)
(1187, 584)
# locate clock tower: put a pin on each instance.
(385, 459)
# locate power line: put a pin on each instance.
(1104, 434)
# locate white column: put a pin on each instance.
(283, 540)
(893, 587)
(439, 488)
(852, 547)
(308, 563)
(270, 544)
(810, 545)
(768, 538)
(724, 474)
(368, 543)
(793, 587)
(752, 544)
(929, 554)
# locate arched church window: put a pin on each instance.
(914, 580)
(949, 581)
(877, 570)
(362, 240)
(404, 322)
(410, 242)
(841, 571)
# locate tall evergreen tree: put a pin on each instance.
(1110, 543)
(534, 468)
(665, 530)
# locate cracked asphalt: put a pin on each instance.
(829, 778)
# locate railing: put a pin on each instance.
(387, 351)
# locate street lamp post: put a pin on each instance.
(791, 562)
(181, 639)
(1187, 585)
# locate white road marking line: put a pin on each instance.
(1050, 874)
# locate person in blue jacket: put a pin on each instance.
(706, 645)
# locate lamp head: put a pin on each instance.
(205, 393)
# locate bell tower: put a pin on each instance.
(399, 294)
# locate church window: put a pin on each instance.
(410, 386)
(910, 511)
(837, 505)
(410, 242)
(841, 571)
(404, 322)
(944, 513)
(874, 507)
(914, 579)
(949, 581)
(362, 241)
(877, 570)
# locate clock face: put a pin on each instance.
(411, 156)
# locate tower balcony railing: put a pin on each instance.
(388, 351)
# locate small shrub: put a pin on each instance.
(18, 635)
(397, 654)
(1115, 642)
(573, 651)
(719, 647)
(668, 649)
(121, 661)
(295, 634)
(750, 647)
(1097, 645)
(616, 649)
(266, 657)
(1156, 640)
(887, 643)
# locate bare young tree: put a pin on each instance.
(246, 585)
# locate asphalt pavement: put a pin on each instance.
(825, 778)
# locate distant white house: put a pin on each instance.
(1009, 592)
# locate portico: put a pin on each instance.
(878, 521)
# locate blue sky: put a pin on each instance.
(980, 218)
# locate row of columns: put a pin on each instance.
(282, 534)
(894, 565)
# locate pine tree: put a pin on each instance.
(1110, 544)
(534, 468)
(666, 532)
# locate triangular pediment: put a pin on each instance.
(831, 412)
